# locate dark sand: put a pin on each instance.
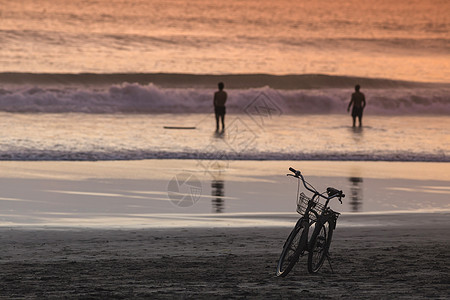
(410, 260)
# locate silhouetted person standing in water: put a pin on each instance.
(220, 97)
(359, 102)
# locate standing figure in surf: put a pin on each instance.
(359, 102)
(220, 97)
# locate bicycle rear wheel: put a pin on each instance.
(319, 245)
(294, 246)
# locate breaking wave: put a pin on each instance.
(181, 93)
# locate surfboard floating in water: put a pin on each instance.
(179, 127)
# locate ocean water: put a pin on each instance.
(99, 80)
(78, 136)
(403, 40)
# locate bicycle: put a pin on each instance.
(313, 215)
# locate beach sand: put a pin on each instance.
(108, 230)
(406, 261)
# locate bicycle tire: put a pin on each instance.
(319, 245)
(294, 246)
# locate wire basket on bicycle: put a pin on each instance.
(302, 204)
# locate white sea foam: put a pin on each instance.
(152, 98)
(213, 157)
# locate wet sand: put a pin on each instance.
(409, 260)
(136, 194)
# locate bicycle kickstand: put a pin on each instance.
(329, 262)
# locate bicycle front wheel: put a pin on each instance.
(294, 246)
(319, 245)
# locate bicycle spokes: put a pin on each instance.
(320, 242)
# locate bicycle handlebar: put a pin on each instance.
(293, 170)
(332, 192)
